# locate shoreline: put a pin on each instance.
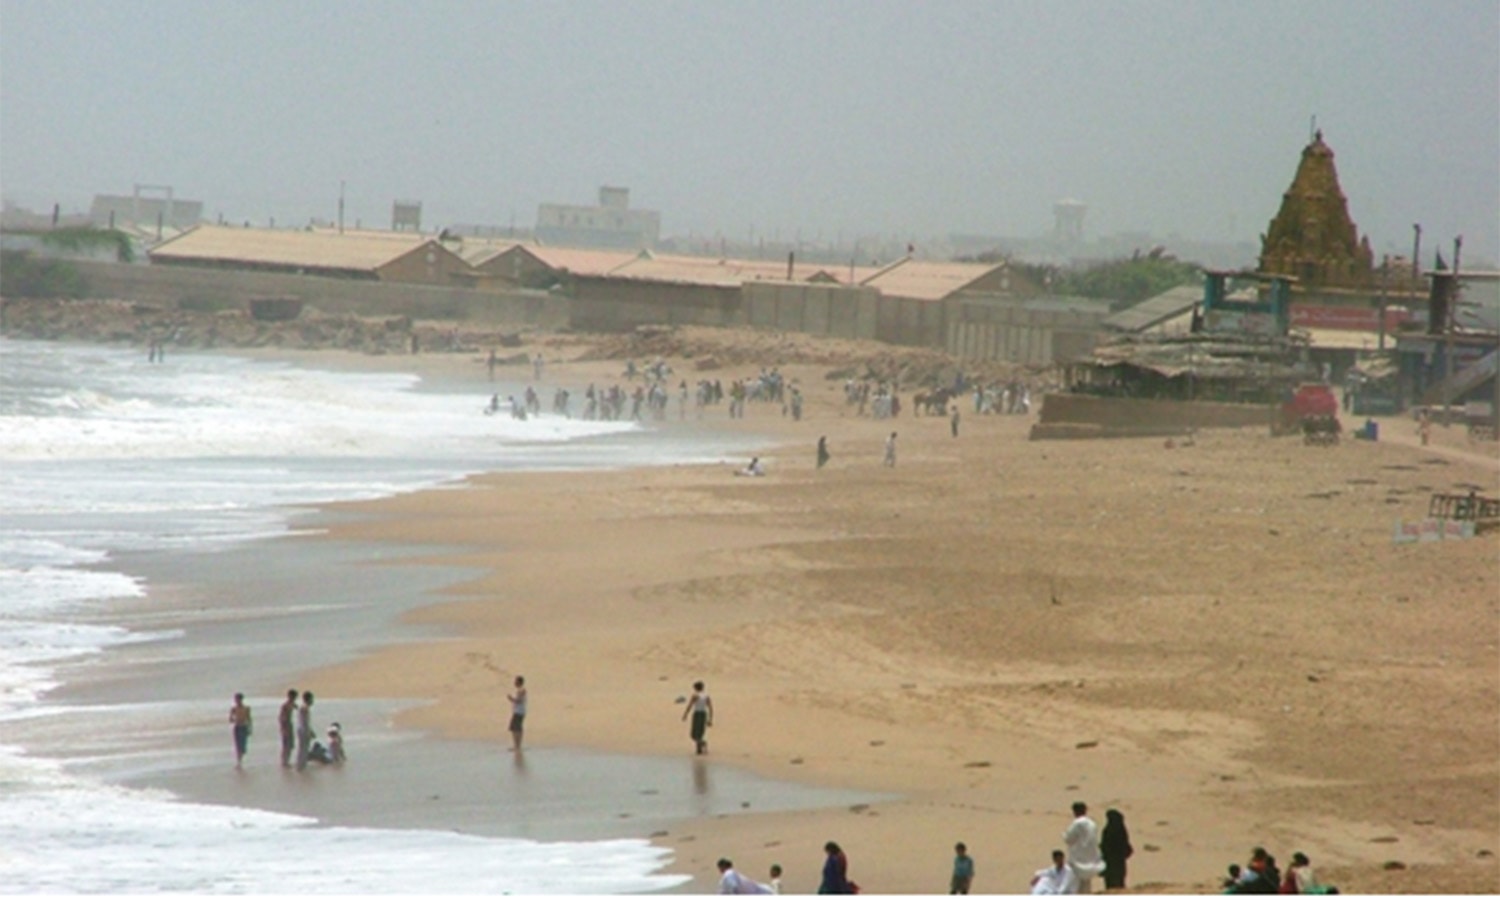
(665, 569)
(1218, 639)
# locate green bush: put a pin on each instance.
(22, 275)
(85, 238)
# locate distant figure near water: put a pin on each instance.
(701, 708)
(239, 718)
(304, 730)
(517, 713)
(286, 720)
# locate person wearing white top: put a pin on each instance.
(1082, 838)
(1057, 878)
(701, 708)
(732, 882)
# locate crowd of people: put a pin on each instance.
(1091, 852)
(298, 739)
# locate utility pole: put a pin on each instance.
(1416, 256)
(1458, 244)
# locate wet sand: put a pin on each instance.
(1218, 639)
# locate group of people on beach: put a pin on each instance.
(1261, 875)
(297, 735)
(1090, 852)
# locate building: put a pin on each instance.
(918, 279)
(144, 211)
(358, 255)
(611, 224)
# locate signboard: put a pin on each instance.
(1237, 322)
(1424, 530)
(1351, 318)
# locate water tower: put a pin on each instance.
(1068, 219)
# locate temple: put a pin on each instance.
(1312, 237)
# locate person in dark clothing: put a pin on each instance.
(835, 871)
(1114, 846)
(823, 455)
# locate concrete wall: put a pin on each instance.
(1083, 415)
(1013, 333)
(431, 264)
(824, 310)
(604, 304)
(333, 296)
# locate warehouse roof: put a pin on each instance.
(354, 251)
(927, 280)
(1156, 310)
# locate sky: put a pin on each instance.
(815, 119)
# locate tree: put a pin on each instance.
(22, 275)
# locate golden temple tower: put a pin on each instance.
(1312, 237)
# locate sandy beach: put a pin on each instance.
(1217, 638)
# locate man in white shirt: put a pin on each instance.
(1057, 878)
(732, 882)
(1082, 838)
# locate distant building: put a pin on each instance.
(364, 256)
(1068, 221)
(144, 211)
(406, 215)
(612, 224)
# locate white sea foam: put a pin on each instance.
(103, 454)
(60, 834)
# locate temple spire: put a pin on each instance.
(1312, 237)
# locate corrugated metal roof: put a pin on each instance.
(478, 252)
(1156, 310)
(581, 261)
(704, 270)
(926, 280)
(358, 251)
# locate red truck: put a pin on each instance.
(1309, 403)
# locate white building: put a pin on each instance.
(611, 224)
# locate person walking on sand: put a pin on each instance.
(823, 455)
(304, 730)
(1057, 878)
(1114, 846)
(963, 870)
(890, 450)
(517, 713)
(239, 718)
(835, 871)
(701, 708)
(1082, 838)
(288, 731)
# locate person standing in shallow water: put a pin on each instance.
(304, 730)
(517, 713)
(288, 730)
(239, 718)
(701, 708)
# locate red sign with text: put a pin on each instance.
(1348, 318)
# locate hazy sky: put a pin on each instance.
(887, 117)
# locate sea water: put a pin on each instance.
(108, 459)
